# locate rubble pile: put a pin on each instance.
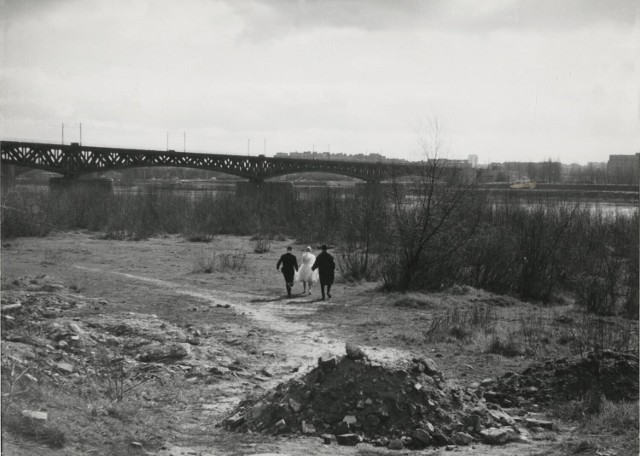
(604, 373)
(355, 400)
(40, 331)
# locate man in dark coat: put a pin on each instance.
(289, 268)
(325, 265)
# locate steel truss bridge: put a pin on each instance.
(74, 160)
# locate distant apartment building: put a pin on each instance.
(623, 169)
(473, 160)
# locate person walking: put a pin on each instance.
(326, 266)
(305, 274)
(289, 267)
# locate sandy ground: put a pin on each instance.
(247, 311)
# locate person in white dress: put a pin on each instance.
(305, 274)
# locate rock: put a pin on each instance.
(235, 421)
(76, 329)
(279, 426)
(360, 405)
(327, 362)
(348, 439)
(219, 370)
(65, 368)
(350, 419)
(193, 340)
(502, 417)
(354, 352)
(341, 428)
(532, 422)
(308, 428)
(440, 439)
(473, 423)
(35, 416)
(62, 344)
(326, 439)
(487, 381)
(499, 436)
(137, 445)
(396, 444)
(422, 436)
(103, 302)
(461, 438)
(430, 367)
(11, 307)
(165, 353)
(266, 373)
(31, 378)
(295, 406)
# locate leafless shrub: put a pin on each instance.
(262, 246)
(461, 324)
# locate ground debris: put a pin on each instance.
(604, 372)
(361, 401)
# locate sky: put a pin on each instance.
(505, 80)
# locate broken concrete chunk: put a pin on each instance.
(66, 368)
(308, 428)
(532, 422)
(36, 416)
(348, 439)
(461, 438)
(327, 362)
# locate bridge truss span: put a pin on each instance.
(75, 160)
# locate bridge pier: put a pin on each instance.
(8, 176)
(253, 189)
(99, 184)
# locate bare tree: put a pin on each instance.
(432, 220)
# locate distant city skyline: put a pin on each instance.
(507, 80)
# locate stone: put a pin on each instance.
(326, 439)
(341, 428)
(440, 439)
(103, 302)
(235, 421)
(360, 405)
(136, 445)
(473, 423)
(76, 329)
(430, 367)
(66, 368)
(532, 422)
(461, 438)
(295, 406)
(350, 419)
(502, 417)
(486, 382)
(11, 307)
(327, 362)
(279, 426)
(348, 439)
(500, 436)
(308, 428)
(396, 444)
(266, 373)
(165, 353)
(35, 416)
(219, 370)
(354, 352)
(62, 344)
(422, 436)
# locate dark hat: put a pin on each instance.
(324, 247)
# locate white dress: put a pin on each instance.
(305, 274)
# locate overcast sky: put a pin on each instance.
(505, 79)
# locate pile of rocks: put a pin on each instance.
(598, 373)
(352, 399)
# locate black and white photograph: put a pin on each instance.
(319, 227)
